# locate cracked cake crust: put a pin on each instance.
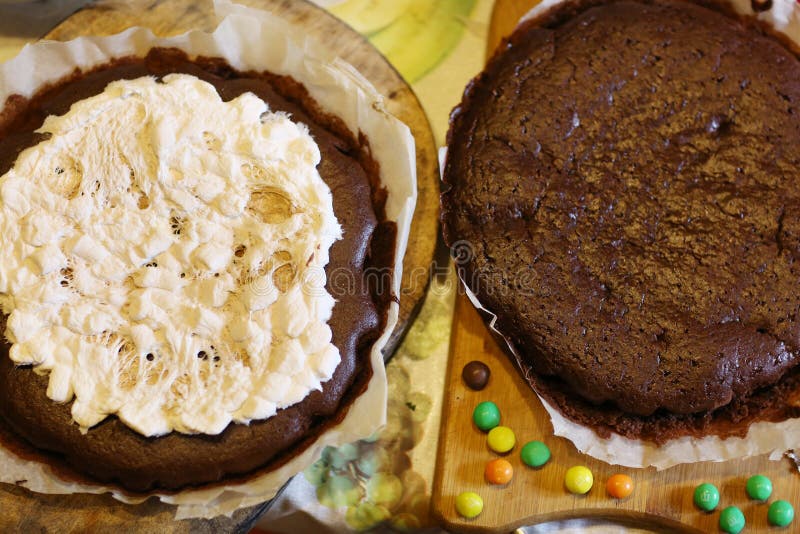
(623, 174)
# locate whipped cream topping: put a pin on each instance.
(164, 257)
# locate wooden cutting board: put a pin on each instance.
(23, 511)
(661, 501)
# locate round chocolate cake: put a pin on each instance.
(620, 190)
(111, 451)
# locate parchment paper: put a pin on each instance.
(248, 39)
(762, 437)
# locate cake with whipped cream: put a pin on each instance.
(175, 236)
(623, 172)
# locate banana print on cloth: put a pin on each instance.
(414, 35)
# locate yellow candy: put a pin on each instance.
(501, 439)
(469, 504)
(578, 479)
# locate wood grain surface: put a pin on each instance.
(662, 501)
(23, 511)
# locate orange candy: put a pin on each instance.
(498, 471)
(619, 486)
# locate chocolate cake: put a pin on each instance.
(619, 191)
(113, 453)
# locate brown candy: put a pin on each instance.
(476, 375)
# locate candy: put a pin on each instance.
(469, 504)
(476, 375)
(501, 439)
(486, 415)
(780, 513)
(731, 520)
(579, 479)
(498, 471)
(619, 486)
(759, 487)
(706, 496)
(535, 454)
(760, 5)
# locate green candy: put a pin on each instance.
(706, 496)
(535, 454)
(731, 520)
(486, 415)
(780, 513)
(759, 487)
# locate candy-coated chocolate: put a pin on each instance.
(469, 504)
(578, 479)
(476, 375)
(498, 471)
(619, 486)
(486, 415)
(501, 439)
(760, 5)
(535, 454)
(759, 487)
(780, 513)
(731, 520)
(706, 496)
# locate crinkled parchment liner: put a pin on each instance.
(762, 437)
(257, 40)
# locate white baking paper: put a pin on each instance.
(248, 39)
(762, 437)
